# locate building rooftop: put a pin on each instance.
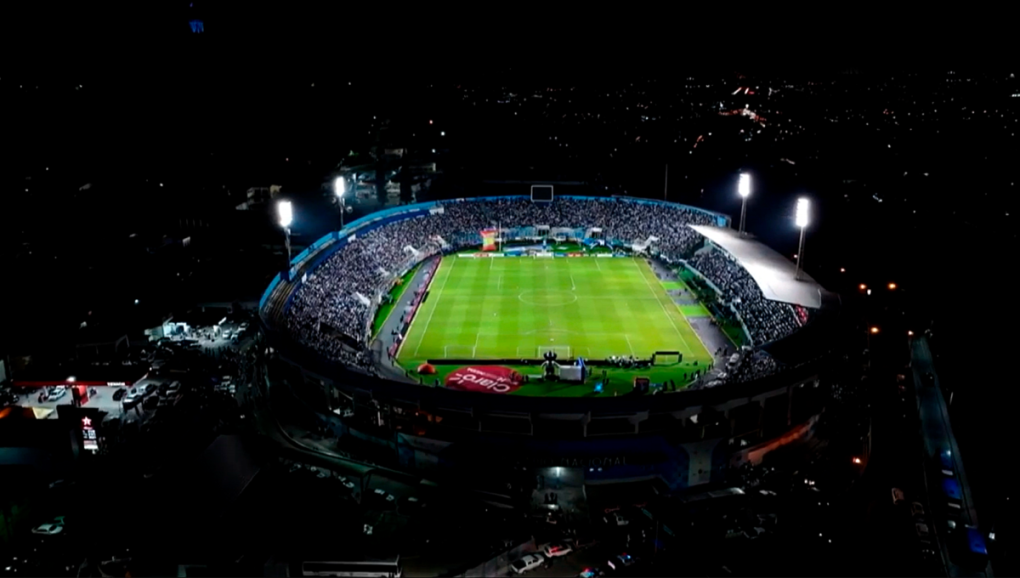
(774, 273)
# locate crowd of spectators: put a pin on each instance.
(332, 310)
(766, 320)
(755, 365)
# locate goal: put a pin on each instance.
(562, 351)
(667, 358)
(458, 352)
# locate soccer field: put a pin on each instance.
(496, 308)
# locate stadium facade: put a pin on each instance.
(678, 440)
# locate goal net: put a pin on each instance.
(458, 352)
(667, 358)
(562, 351)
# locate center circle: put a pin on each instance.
(548, 298)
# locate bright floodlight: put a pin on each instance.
(339, 186)
(744, 186)
(802, 212)
(286, 213)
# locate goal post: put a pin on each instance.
(562, 351)
(667, 358)
(458, 352)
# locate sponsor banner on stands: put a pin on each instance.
(485, 378)
(496, 255)
(575, 254)
(603, 254)
(560, 255)
(543, 255)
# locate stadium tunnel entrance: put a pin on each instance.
(559, 494)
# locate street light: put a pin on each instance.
(286, 212)
(803, 205)
(874, 330)
(744, 189)
(340, 189)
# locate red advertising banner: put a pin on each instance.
(485, 378)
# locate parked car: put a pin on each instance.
(916, 509)
(555, 550)
(56, 393)
(51, 529)
(529, 562)
(622, 561)
(119, 394)
(922, 531)
(133, 398)
(590, 573)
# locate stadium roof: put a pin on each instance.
(774, 274)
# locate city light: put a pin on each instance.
(803, 205)
(910, 333)
(744, 187)
(874, 330)
(892, 286)
(857, 460)
(286, 213)
(842, 270)
(862, 286)
(71, 379)
(339, 186)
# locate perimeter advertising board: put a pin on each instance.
(485, 378)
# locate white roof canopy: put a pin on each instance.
(774, 274)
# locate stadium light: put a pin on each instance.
(340, 188)
(286, 211)
(744, 189)
(803, 204)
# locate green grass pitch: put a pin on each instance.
(520, 307)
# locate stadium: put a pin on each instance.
(633, 340)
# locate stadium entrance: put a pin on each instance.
(559, 494)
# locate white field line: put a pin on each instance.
(664, 310)
(435, 302)
(629, 345)
(473, 349)
(573, 286)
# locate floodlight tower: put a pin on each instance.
(803, 206)
(744, 188)
(340, 189)
(286, 212)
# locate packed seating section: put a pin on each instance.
(331, 311)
